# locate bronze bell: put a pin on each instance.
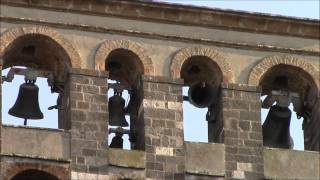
(202, 94)
(276, 128)
(117, 111)
(27, 103)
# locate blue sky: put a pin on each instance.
(195, 126)
(295, 8)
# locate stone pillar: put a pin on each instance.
(311, 121)
(164, 141)
(86, 93)
(242, 131)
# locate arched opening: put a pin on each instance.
(40, 58)
(34, 175)
(202, 106)
(126, 94)
(285, 89)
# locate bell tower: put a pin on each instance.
(126, 77)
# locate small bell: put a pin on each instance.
(117, 111)
(117, 141)
(27, 103)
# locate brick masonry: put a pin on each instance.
(13, 165)
(164, 140)
(8, 37)
(242, 131)
(259, 70)
(88, 117)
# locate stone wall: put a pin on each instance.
(291, 164)
(164, 140)
(242, 131)
(88, 118)
(128, 164)
(245, 41)
(37, 142)
(205, 159)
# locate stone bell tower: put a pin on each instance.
(150, 51)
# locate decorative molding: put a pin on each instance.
(9, 36)
(265, 64)
(180, 14)
(88, 28)
(108, 46)
(186, 53)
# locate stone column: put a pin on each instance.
(87, 111)
(163, 121)
(242, 131)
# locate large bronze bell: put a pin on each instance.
(117, 111)
(276, 128)
(27, 103)
(202, 94)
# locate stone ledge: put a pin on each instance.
(34, 128)
(35, 143)
(291, 164)
(241, 87)
(126, 158)
(89, 72)
(162, 79)
(35, 157)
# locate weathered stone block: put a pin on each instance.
(291, 164)
(205, 158)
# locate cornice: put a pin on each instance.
(97, 29)
(185, 15)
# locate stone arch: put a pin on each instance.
(184, 54)
(57, 171)
(108, 46)
(8, 37)
(265, 64)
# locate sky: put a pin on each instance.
(195, 125)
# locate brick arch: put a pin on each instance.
(265, 64)
(108, 46)
(186, 53)
(8, 37)
(57, 171)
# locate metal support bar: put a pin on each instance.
(114, 130)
